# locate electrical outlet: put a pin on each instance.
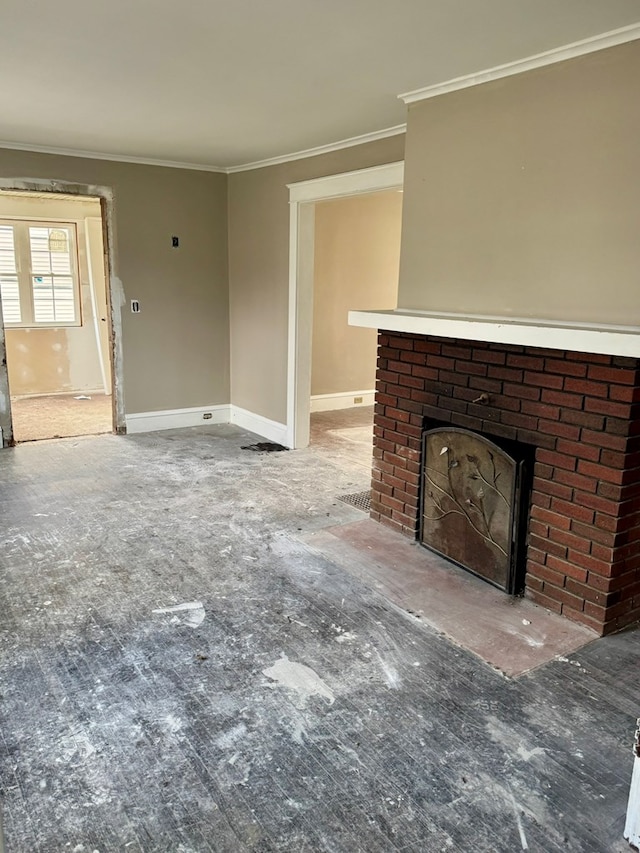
(207, 416)
(135, 306)
(357, 400)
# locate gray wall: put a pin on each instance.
(259, 268)
(522, 196)
(176, 351)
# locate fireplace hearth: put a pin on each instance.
(578, 547)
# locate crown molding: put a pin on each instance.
(321, 149)
(538, 60)
(116, 158)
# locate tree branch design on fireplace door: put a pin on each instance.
(485, 515)
(468, 498)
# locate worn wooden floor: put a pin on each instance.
(284, 706)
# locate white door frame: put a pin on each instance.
(302, 198)
(115, 297)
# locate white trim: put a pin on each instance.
(348, 183)
(538, 60)
(302, 196)
(115, 158)
(363, 139)
(341, 400)
(177, 418)
(552, 334)
(259, 425)
(396, 130)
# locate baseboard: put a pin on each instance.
(271, 430)
(342, 400)
(177, 418)
(225, 414)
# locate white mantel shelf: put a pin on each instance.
(578, 337)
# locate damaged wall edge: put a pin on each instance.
(115, 295)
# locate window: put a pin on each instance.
(39, 274)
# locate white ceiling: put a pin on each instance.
(228, 82)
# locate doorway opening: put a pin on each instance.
(356, 266)
(55, 308)
(303, 368)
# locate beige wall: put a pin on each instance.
(65, 359)
(259, 269)
(176, 351)
(357, 252)
(522, 196)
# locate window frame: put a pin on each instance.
(25, 274)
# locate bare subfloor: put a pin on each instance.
(181, 672)
(60, 415)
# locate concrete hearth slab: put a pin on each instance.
(511, 634)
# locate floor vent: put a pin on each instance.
(360, 500)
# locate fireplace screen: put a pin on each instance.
(470, 495)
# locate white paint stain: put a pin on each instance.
(527, 754)
(516, 811)
(229, 738)
(346, 637)
(298, 677)
(193, 611)
(390, 673)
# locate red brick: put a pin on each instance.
(579, 450)
(601, 472)
(615, 375)
(555, 489)
(537, 528)
(412, 357)
(583, 386)
(544, 380)
(562, 399)
(525, 361)
(606, 407)
(568, 431)
(544, 600)
(603, 439)
(572, 510)
(524, 392)
(589, 562)
(570, 540)
(489, 356)
(541, 410)
(424, 372)
(400, 343)
(506, 373)
(569, 570)
(567, 598)
(392, 503)
(554, 519)
(442, 363)
(557, 460)
(624, 393)
(432, 347)
(547, 575)
(566, 368)
(547, 545)
(583, 590)
(396, 414)
(584, 419)
(411, 381)
(578, 481)
(596, 502)
(398, 367)
(588, 532)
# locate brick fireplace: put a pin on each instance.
(580, 414)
